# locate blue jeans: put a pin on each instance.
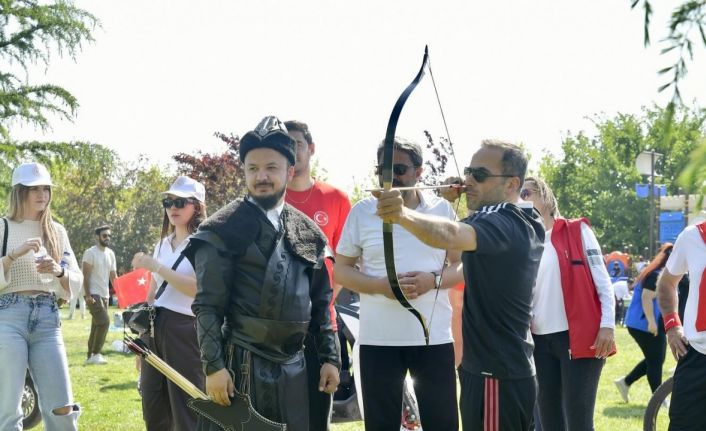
(30, 337)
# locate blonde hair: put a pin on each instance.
(546, 195)
(18, 204)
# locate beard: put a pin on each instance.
(104, 242)
(267, 202)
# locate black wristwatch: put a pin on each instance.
(63, 272)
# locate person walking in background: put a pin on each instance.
(644, 322)
(99, 270)
(164, 403)
(77, 299)
(328, 207)
(31, 281)
(573, 317)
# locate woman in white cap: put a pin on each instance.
(32, 279)
(172, 292)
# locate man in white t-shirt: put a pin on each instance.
(391, 338)
(687, 342)
(99, 270)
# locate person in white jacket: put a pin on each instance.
(571, 344)
(32, 280)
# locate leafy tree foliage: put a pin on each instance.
(29, 30)
(93, 187)
(595, 176)
(221, 174)
(687, 28)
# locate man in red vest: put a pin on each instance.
(687, 341)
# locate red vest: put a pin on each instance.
(583, 308)
(701, 310)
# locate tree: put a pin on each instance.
(28, 32)
(221, 174)
(139, 212)
(595, 177)
(688, 21)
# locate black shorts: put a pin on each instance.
(686, 410)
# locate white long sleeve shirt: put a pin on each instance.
(549, 314)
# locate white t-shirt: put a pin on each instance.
(383, 321)
(548, 312)
(689, 255)
(621, 289)
(102, 263)
(172, 298)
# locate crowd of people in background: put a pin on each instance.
(513, 299)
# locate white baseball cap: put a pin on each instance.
(31, 174)
(186, 187)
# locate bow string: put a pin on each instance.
(387, 176)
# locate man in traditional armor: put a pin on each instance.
(262, 284)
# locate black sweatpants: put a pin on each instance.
(383, 370)
(489, 404)
(654, 349)
(686, 410)
(567, 387)
(164, 403)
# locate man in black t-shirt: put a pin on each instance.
(502, 244)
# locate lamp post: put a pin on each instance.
(645, 164)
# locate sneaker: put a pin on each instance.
(623, 388)
(96, 359)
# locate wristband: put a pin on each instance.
(63, 272)
(671, 320)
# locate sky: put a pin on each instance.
(163, 76)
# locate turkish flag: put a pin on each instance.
(132, 287)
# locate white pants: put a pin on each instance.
(77, 295)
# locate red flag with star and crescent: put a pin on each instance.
(132, 287)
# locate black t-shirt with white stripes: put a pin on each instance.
(499, 277)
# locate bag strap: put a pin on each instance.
(164, 283)
(4, 239)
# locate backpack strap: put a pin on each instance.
(164, 283)
(4, 239)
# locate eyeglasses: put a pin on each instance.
(482, 174)
(525, 193)
(397, 169)
(178, 202)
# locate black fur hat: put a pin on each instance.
(270, 133)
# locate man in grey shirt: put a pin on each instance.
(99, 270)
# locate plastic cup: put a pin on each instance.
(39, 256)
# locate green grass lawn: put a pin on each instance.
(109, 398)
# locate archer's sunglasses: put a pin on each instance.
(482, 174)
(178, 202)
(397, 169)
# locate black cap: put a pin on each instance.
(270, 133)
